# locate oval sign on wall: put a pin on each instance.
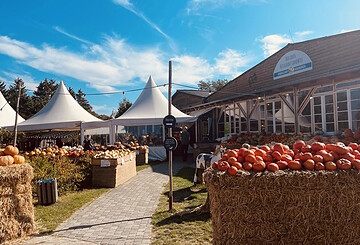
(292, 63)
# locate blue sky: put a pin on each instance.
(114, 45)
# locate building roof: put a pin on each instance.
(334, 58)
(199, 93)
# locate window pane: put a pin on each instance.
(328, 99)
(318, 119)
(330, 127)
(342, 116)
(343, 125)
(289, 128)
(317, 100)
(355, 125)
(342, 106)
(277, 105)
(341, 96)
(306, 111)
(254, 125)
(329, 117)
(278, 129)
(341, 85)
(318, 126)
(329, 108)
(324, 89)
(270, 129)
(243, 127)
(355, 93)
(317, 109)
(355, 104)
(355, 115)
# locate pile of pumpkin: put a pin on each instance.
(316, 156)
(10, 155)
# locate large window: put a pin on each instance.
(342, 110)
(355, 108)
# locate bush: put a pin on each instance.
(68, 174)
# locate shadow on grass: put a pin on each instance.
(185, 193)
(189, 217)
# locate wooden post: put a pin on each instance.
(170, 135)
(17, 113)
(296, 112)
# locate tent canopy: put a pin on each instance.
(7, 113)
(61, 112)
(149, 109)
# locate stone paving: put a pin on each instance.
(121, 216)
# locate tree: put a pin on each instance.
(81, 99)
(43, 93)
(72, 92)
(26, 102)
(212, 85)
(123, 106)
(3, 88)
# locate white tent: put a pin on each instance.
(7, 113)
(61, 112)
(149, 109)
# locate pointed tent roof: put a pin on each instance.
(149, 109)
(7, 113)
(61, 112)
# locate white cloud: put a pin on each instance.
(62, 31)
(129, 6)
(272, 43)
(115, 63)
(194, 6)
(230, 62)
(28, 80)
(302, 34)
(101, 108)
(346, 30)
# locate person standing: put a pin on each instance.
(185, 140)
(88, 143)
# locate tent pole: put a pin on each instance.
(170, 135)
(17, 113)
(81, 134)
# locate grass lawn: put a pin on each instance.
(151, 163)
(47, 218)
(188, 229)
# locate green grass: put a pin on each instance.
(47, 218)
(190, 228)
(151, 163)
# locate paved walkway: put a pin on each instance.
(121, 216)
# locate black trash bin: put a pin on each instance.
(47, 191)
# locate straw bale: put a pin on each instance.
(286, 207)
(16, 208)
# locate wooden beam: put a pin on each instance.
(306, 99)
(296, 112)
(283, 98)
(242, 110)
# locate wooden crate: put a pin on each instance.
(142, 157)
(113, 172)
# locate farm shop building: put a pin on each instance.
(311, 86)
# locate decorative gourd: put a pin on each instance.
(11, 150)
(2, 152)
(6, 160)
(19, 159)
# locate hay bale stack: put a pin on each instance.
(16, 208)
(286, 207)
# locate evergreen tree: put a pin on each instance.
(43, 93)
(3, 88)
(72, 92)
(81, 99)
(124, 105)
(26, 102)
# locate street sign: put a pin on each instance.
(170, 143)
(169, 121)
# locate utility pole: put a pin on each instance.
(170, 135)
(17, 112)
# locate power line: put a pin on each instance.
(218, 91)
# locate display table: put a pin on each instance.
(142, 157)
(113, 172)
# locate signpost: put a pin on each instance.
(170, 143)
(169, 121)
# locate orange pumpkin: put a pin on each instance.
(349, 157)
(237, 165)
(306, 148)
(277, 155)
(294, 165)
(240, 159)
(356, 164)
(247, 152)
(268, 158)
(215, 165)
(286, 158)
(232, 153)
(309, 164)
(259, 166)
(280, 148)
(317, 146)
(250, 158)
(273, 167)
(318, 158)
(282, 164)
(260, 153)
(6, 160)
(19, 159)
(331, 166)
(232, 170)
(354, 146)
(306, 156)
(265, 148)
(232, 160)
(223, 166)
(343, 164)
(319, 166)
(11, 150)
(247, 166)
(2, 152)
(225, 157)
(298, 144)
